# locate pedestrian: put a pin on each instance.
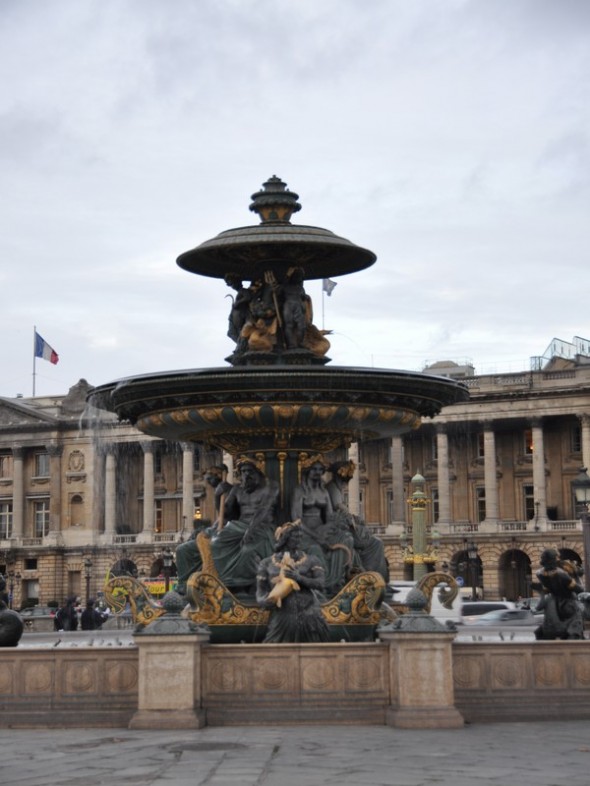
(92, 619)
(66, 617)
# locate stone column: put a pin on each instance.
(443, 479)
(188, 492)
(490, 475)
(110, 493)
(18, 493)
(421, 677)
(148, 491)
(397, 486)
(55, 453)
(539, 482)
(585, 426)
(354, 486)
(169, 680)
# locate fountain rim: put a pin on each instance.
(127, 394)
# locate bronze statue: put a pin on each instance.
(11, 623)
(274, 314)
(324, 534)
(369, 548)
(247, 534)
(289, 583)
(296, 308)
(559, 587)
(240, 307)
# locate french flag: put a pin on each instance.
(43, 350)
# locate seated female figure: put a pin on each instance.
(322, 533)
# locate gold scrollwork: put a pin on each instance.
(214, 604)
(358, 602)
(121, 590)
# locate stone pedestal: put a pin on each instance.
(169, 683)
(421, 674)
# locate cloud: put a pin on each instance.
(450, 138)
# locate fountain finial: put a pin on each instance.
(275, 202)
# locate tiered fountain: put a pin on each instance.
(278, 401)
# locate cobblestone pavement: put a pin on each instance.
(539, 754)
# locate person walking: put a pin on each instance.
(91, 618)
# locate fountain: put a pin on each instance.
(278, 406)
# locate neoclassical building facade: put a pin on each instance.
(80, 492)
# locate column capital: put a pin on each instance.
(536, 422)
(147, 446)
(584, 419)
(18, 452)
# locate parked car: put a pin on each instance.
(505, 617)
(38, 611)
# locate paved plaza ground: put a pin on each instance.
(539, 754)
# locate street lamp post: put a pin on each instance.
(419, 554)
(581, 487)
(167, 560)
(87, 575)
(472, 556)
(10, 588)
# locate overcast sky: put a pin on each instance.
(450, 137)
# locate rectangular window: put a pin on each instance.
(528, 442)
(5, 520)
(480, 499)
(434, 448)
(41, 465)
(159, 517)
(390, 511)
(480, 447)
(157, 462)
(435, 506)
(197, 459)
(5, 468)
(41, 514)
(346, 500)
(528, 502)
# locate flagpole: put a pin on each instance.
(323, 295)
(34, 355)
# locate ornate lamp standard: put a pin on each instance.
(472, 557)
(87, 575)
(581, 487)
(167, 560)
(419, 553)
